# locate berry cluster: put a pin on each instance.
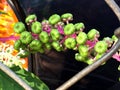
(60, 34)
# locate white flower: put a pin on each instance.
(7, 58)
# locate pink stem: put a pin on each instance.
(47, 29)
(60, 29)
(36, 36)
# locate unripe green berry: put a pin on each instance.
(36, 27)
(89, 61)
(78, 57)
(55, 34)
(41, 50)
(44, 37)
(81, 38)
(26, 37)
(35, 45)
(67, 16)
(19, 27)
(69, 29)
(56, 45)
(91, 34)
(83, 50)
(114, 38)
(101, 47)
(17, 44)
(79, 26)
(30, 17)
(70, 43)
(48, 46)
(54, 19)
(98, 56)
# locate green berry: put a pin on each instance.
(17, 44)
(44, 37)
(48, 46)
(26, 37)
(19, 27)
(108, 40)
(70, 43)
(69, 29)
(36, 27)
(101, 47)
(98, 56)
(41, 50)
(35, 45)
(54, 19)
(56, 45)
(78, 57)
(79, 26)
(55, 34)
(30, 17)
(83, 50)
(114, 38)
(91, 34)
(67, 16)
(89, 61)
(81, 38)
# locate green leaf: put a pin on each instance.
(6, 83)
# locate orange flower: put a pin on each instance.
(7, 19)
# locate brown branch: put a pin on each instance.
(115, 8)
(90, 68)
(11, 74)
(103, 59)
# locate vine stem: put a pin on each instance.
(103, 59)
(11, 74)
(115, 8)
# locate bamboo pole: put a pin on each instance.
(11, 74)
(103, 59)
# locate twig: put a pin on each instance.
(115, 8)
(10, 73)
(90, 68)
(103, 59)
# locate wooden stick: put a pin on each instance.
(115, 8)
(11, 74)
(103, 59)
(90, 68)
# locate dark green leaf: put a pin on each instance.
(6, 83)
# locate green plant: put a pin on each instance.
(57, 33)
(7, 83)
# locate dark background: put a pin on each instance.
(55, 68)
